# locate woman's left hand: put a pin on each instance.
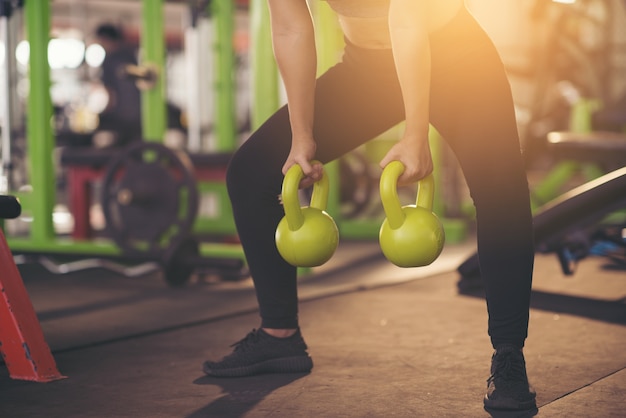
(414, 155)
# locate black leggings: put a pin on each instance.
(360, 98)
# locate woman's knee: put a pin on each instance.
(238, 173)
(251, 172)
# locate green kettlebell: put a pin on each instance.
(306, 236)
(411, 235)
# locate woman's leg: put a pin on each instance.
(355, 101)
(472, 108)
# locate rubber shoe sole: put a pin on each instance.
(297, 364)
(509, 404)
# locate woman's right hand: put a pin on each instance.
(302, 153)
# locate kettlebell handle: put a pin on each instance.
(389, 193)
(291, 203)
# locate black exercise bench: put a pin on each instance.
(584, 206)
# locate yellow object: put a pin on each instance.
(306, 236)
(411, 235)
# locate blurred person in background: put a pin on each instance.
(122, 116)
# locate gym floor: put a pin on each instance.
(385, 342)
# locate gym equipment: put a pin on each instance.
(149, 198)
(356, 188)
(7, 7)
(306, 236)
(173, 248)
(566, 70)
(10, 207)
(264, 77)
(559, 224)
(150, 202)
(564, 225)
(357, 185)
(411, 235)
(22, 343)
(145, 76)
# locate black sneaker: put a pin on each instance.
(259, 353)
(508, 387)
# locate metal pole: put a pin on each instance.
(329, 44)
(153, 108)
(6, 92)
(330, 40)
(264, 72)
(192, 56)
(223, 12)
(40, 138)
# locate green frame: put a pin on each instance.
(40, 202)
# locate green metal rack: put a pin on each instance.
(39, 203)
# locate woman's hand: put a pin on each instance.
(414, 155)
(301, 153)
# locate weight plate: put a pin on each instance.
(179, 265)
(149, 199)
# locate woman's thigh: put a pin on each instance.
(473, 110)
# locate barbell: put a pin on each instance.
(150, 203)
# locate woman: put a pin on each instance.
(421, 61)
